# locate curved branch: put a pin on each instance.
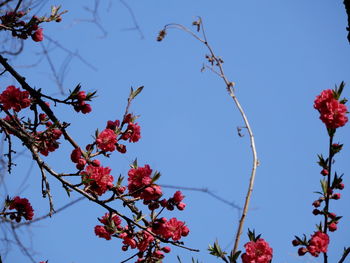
(217, 61)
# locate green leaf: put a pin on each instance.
(324, 186)
(216, 250)
(156, 176)
(120, 179)
(251, 235)
(134, 164)
(136, 92)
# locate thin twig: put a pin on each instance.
(20, 244)
(45, 189)
(204, 190)
(48, 214)
(133, 17)
(345, 254)
(229, 88)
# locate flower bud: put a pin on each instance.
(324, 172)
(336, 196)
(302, 251)
(295, 242)
(332, 227)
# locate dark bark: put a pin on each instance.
(347, 8)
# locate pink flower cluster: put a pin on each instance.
(143, 240)
(140, 184)
(111, 224)
(317, 244)
(23, 207)
(173, 228)
(107, 140)
(46, 141)
(257, 251)
(97, 179)
(14, 98)
(80, 104)
(132, 133)
(332, 112)
(22, 29)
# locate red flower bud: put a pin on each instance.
(302, 251)
(96, 163)
(38, 35)
(316, 203)
(336, 196)
(181, 206)
(295, 242)
(166, 249)
(332, 227)
(324, 172)
(316, 212)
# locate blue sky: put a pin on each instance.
(280, 54)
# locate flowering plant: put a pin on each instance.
(146, 232)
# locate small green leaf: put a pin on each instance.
(120, 179)
(156, 176)
(324, 186)
(251, 235)
(133, 93)
(134, 164)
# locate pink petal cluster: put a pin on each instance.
(257, 252)
(14, 98)
(97, 180)
(23, 208)
(145, 239)
(139, 177)
(332, 112)
(110, 226)
(132, 133)
(106, 140)
(140, 184)
(81, 105)
(173, 228)
(318, 243)
(46, 141)
(152, 192)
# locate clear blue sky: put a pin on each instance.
(280, 54)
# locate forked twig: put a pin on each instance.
(217, 62)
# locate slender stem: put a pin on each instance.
(18, 5)
(329, 177)
(229, 87)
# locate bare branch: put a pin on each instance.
(217, 61)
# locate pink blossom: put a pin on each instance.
(139, 178)
(14, 98)
(132, 133)
(257, 252)
(318, 243)
(23, 208)
(97, 180)
(106, 140)
(332, 112)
